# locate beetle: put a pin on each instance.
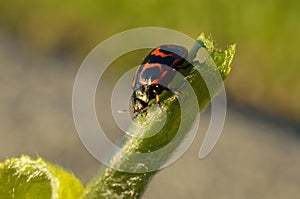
(154, 74)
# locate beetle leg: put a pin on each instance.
(156, 97)
(158, 100)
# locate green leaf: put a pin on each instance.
(211, 72)
(115, 183)
(29, 178)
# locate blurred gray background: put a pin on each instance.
(41, 48)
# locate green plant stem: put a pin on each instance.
(112, 183)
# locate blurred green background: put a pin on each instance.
(42, 44)
(266, 67)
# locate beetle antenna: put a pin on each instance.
(125, 111)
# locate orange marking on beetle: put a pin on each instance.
(157, 52)
(163, 73)
(157, 81)
(151, 65)
(133, 81)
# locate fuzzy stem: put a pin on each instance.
(112, 183)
